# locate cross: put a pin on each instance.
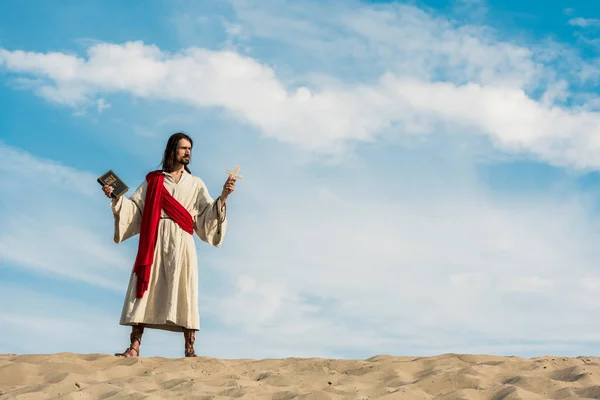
(235, 173)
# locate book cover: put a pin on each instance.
(112, 179)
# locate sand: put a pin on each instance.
(448, 376)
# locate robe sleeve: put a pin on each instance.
(127, 213)
(210, 224)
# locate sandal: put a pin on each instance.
(136, 335)
(127, 353)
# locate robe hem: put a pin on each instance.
(167, 326)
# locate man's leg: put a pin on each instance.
(190, 337)
(136, 340)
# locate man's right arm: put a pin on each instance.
(127, 214)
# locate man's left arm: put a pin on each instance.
(210, 223)
(228, 188)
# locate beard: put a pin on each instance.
(184, 160)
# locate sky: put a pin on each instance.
(420, 177)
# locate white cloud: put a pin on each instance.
(584, 22)
(591, 283)
(440, 77)
(416, 267)
(43, 323)
(532, 284)
(342, 268)
(102, 105)
(51, 214)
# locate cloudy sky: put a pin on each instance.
(419, 177)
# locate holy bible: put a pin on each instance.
(111, 179)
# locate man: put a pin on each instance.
(166, 210)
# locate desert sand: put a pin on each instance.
(448, 376)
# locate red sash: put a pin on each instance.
(157, 198)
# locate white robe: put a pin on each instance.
(171, 301)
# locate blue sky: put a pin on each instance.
(419, 178)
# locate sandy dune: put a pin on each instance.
(448, 376)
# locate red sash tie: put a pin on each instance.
(157, 198)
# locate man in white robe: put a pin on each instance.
(170, 298)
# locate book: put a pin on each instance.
(112, 179)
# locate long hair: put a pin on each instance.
(168, 161)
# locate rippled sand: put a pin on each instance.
(448, 376)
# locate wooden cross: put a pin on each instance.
(235, 173)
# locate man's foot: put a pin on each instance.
(136, 340)
(129, 352)
(190, 338)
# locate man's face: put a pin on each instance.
(183, 152)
